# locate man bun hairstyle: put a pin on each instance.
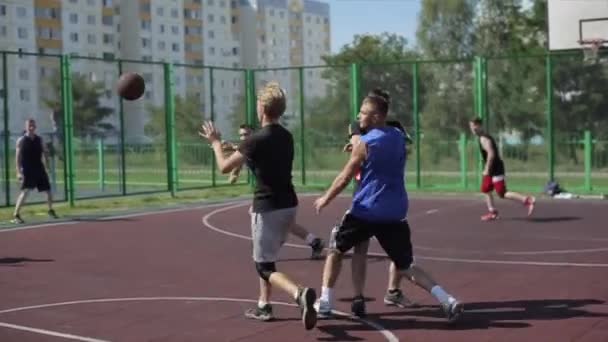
(380, 99)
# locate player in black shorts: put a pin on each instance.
(31, 169)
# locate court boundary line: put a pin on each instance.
(209, 225)
(388, 335)
(47, 332)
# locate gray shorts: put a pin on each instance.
(269, 231)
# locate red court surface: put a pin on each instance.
(188, 276)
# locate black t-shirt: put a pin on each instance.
(497, 168)
(31, 153)
(269, 154)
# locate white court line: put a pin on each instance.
(209, 225)
(50, 333)
(107, 218)
(389, 336)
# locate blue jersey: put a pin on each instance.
(381, 195)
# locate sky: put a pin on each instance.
(351, 17)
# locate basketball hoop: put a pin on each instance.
(591, 48)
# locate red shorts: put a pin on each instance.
(496, 183)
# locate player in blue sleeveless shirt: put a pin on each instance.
(379, 206)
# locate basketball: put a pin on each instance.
(131, 86)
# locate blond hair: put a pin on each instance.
(272, 98)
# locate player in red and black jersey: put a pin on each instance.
(494, 173)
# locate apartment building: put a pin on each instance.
(288, 33)
(221, 33)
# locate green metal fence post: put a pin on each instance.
(302, 126)
(416, 112)
(250, 105)
(68, 125)
(550, 127)
(588, 143)
(463, 160)
(250, 98)
(355, 90)
(212, 111)
(7, 173)
(478, 110)
(170, 129)
(123, 159)
(101, 164)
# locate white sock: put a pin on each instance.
(442, 296)
(261, 304)
(310, 238)
(326, 294)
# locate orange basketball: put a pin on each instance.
(131, 86)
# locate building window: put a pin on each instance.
(145, 25)
(160, 11)
(210, 18)
(106, 3)
(211, 34)
(21, 12)
(235, 51)
(175, 47)
(145, 42)
(144, 7)
(108, 38)
(233, 4)
(2, 31)
(91, 20)
(161, 45)
(22, 33)
(107, 20)
(174, 12)
(175, 29)
(74, 36)
(24, 74)
(271, 12)
(91, 38)
(3, 10)
(91, 2)
(161, 28)
(73, 18)
(210, 2)
(281, 14)
(212, 51)
(234, 19)
(222, 20)
(24, 95)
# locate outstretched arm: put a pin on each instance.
(358, 156)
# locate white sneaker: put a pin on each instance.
(323, 309)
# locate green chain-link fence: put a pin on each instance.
(547, 112)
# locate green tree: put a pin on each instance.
(88, 112)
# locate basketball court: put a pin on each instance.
(187, 275)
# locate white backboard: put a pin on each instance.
(573, 20)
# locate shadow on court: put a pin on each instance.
(20, 260)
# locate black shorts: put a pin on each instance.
(37, 179)
(394, 237)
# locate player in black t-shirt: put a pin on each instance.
(494, 173)
(316, 244)
(31, 169)
(269, 153)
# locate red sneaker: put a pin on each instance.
(491, 216)
(529, 202)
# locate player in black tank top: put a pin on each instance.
(494, 173)
(31, 169)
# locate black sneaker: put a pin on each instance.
(52, 214)
(17, 219)
(306, 301)
(317, 246)
(358, 306)
(261, 314)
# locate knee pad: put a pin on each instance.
(265, 269)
